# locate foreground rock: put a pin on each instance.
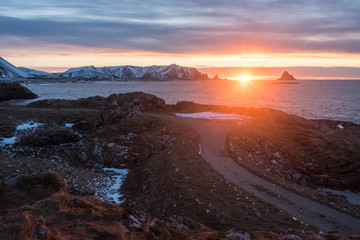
(130, 105)
(40, 207)
(14, 90)
(286, 76)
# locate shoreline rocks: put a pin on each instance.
(14, 90)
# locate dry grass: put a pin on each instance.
(257, 143)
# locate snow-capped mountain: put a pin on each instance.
(9, 71)
(171, 72)
(88, 72)
(132, 72)
(32, 72)
(126, 72)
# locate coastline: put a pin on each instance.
(300, 99)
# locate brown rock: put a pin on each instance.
(14, 90)
(286, 76)
(50, 137)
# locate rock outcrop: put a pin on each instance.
(216, 77)
(129, 105)
(14, 90)
(114, 107)
(144, 100)
(286, 76)
(50, 137)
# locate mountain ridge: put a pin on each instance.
(124, 72)
(7, 70)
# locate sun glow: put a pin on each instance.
(245, 78)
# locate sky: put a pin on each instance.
(55, 35)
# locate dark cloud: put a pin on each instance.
(188, 26)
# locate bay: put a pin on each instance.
(312, 99)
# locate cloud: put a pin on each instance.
(203, 26)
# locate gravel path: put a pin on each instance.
(212, 139)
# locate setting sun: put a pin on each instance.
(245, 78)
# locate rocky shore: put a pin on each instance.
(14, 90)
(167, 178)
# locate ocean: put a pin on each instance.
(312, 99)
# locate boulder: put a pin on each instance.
(14, 90)
(129, 105)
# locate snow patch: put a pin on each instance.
(340, 126)
(8, 141)
(199, 149)
(351, 197)
(112, 193)
(213, 116)
(69, 125)
(24, 126)
(28, 125)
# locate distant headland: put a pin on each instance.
(114, 73)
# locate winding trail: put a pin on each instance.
(212, 139)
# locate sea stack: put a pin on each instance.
(216, 77)
(14, 90)
(286, 76)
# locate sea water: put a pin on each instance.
(313, 99)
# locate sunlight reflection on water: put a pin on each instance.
(337, 99)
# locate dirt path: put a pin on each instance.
(212, 139)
